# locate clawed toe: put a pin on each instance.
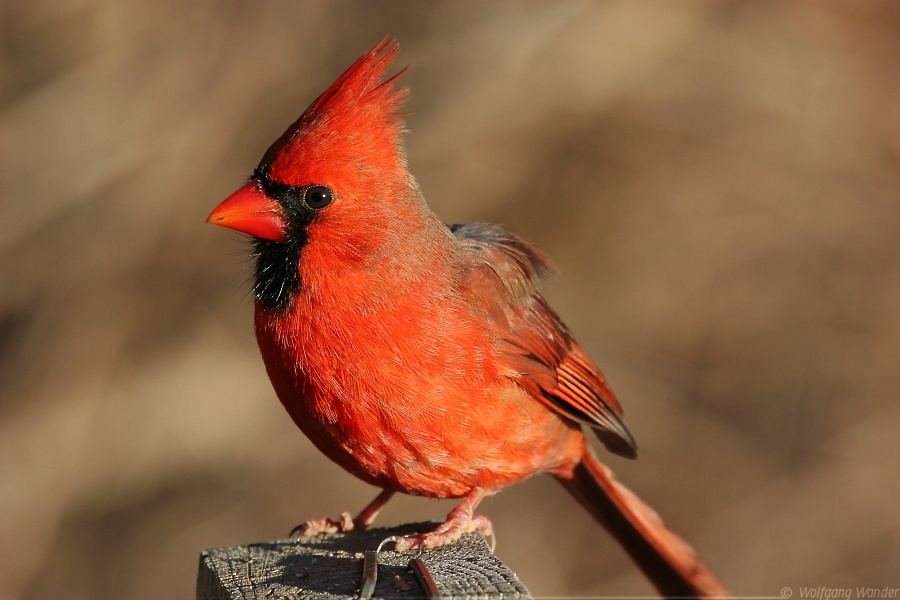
(324, 526)
(446, 533)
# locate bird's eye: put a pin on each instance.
(317, 197)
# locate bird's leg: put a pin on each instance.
(460, 520)
(346, 522)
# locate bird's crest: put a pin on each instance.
(354, 123)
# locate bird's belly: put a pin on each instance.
(434, 447)
(426, 437)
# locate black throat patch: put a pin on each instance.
(277, 279)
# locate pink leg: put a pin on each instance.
(368, 514)
(346, 523)
(459, 521)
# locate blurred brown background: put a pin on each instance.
(718, 183)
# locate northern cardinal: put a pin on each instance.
(421, 357)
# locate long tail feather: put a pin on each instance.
(664, 557)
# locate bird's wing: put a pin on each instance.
(543, 356)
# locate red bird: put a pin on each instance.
(421, 357)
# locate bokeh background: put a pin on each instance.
(717, 182)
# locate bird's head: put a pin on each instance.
(337, 176)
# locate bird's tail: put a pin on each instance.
(664, 557)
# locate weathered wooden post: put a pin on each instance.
(332, 567)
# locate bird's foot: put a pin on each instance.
(346, 523)
(447, 532)
(325, 526)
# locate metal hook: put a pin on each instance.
(370, 568)
(394, 538)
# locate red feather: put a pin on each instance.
(353, 125)
(542, 354)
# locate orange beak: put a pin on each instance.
(250, 211)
